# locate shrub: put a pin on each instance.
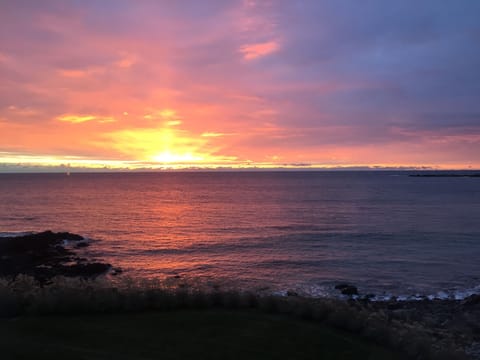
(23, 295)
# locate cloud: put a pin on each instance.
(307, 81)
(3, 58)
(212, 134)
(78, 119)
(81, 73)
(253, 51)
(127, 60)
(173, 123)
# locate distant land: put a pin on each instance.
(18, 168)
(446, 175)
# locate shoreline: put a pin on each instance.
(45, 255)
(418, 329)
(46, 264)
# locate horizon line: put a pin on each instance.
(239, 170)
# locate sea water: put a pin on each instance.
(386, 232)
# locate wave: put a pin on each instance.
(327, 291)
(15, 233)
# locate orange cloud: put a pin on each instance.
(253, 51)
(164, 114)
(3, 58)
(126, 61)
(81, 73)
(212, 134)
(22, 111)
(148, 86)
(173, 122)
(78, 119)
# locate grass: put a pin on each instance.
(180, 334)
(75, 304)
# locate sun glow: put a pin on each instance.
(163, 145)
(169, 157)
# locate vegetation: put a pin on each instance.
(181, 334)
(126, 301)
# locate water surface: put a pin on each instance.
(385, 232)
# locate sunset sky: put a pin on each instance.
(216, 83)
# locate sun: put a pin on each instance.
(169, 157)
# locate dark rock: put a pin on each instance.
(84, 270)
(393, 305)
(403, 314)
(471, 300)
(351, 290)
(448, 322)
(347, 289)
(292, 293)
(117, 271)
(43, 256)
(82, 244)
(36, 242)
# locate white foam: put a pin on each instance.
(383, 297)
(280, 293)
(463, 294)
(15, 233)
(440, 295)
(318, 291)
(70, 243)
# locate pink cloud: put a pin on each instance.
(253, 51)
(236, 80)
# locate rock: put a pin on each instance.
(403, 314)
(44, 255)
(82, 244)
(471, 300)
(117, 271)
(292, 293)
(36, 242)
(84, 270)
(351, 290)
(347, 289)
(394, 305)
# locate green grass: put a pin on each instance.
(183, 334)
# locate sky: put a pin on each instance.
(147, 84)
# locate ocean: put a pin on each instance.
(383, 231)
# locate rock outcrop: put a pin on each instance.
(45, 255)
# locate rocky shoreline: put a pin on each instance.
(445, 320)
(455, 320)
(45, 255)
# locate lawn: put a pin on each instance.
(182, 334)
